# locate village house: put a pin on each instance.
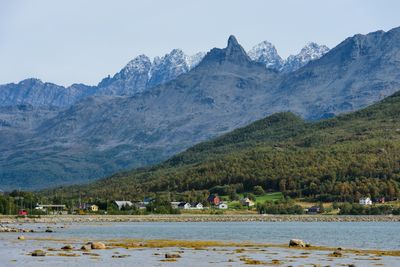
(380, 200)
(174, 204)
(184, 205)
(121, 204)
(365, 201)
(141, 205)
(313, 210)
(196, 206)
(93, 208)
(213, 199)
(222, 206)
(247, 202)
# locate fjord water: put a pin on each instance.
(361, 235)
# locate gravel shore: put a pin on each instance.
(4, 219)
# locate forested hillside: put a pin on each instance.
(341, 159)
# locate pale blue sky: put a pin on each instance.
(85, 40)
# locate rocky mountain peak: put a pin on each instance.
(311, 51)
(266, 53)
(233, 53)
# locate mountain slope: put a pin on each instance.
(101, 135)
(359, 71)
(341, 158)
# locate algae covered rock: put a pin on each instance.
(38, 253)
(297, 243)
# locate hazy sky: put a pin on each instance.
(85, 40)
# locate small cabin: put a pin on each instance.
(93, 208)
(247, 202)
(313, 210)
(222, 206)
(196, 206)
(365, 201)
(213, 199)
(184, 206)
(123, 204)
(23, 212)
(175, 204)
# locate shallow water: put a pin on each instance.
(362, 235)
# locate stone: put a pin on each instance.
(49, 231)
(21, 237)
(38, 253)
(97, 245)
(336, 253)
(297, 243)
(172, 256)
(86, 247)
(67, 247)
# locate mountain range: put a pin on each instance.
(140, 74)
(104, 133)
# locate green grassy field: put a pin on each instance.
(269, 197)
(259, 199)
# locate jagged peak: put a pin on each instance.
(31, 81)
(232, 41)
(139, 63)
(266, 53)
(233, 53)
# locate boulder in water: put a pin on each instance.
(297, 243)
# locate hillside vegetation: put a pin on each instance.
(338, 159)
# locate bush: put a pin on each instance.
(258, 190)
(280, 207)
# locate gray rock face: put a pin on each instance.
(131, 79)
(359, 71)
(35, 92)
(103, 134)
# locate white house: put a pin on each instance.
(222, 206)
(121, 204)
(365, 201)
(247, 202)
(196, 206)
(175, 204)
(184, 205)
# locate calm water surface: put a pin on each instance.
(363, 235)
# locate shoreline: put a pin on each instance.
(10, 219)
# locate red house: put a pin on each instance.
(22, 212)
(213, 199)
